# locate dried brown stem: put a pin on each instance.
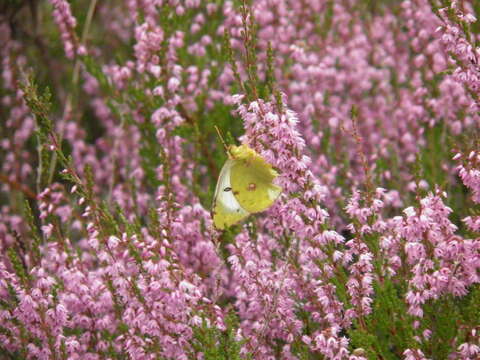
(17, 186)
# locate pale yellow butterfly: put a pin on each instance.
(245, 186)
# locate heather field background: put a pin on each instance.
(109, 158)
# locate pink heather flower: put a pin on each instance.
(263, 296)
(350, 67)
(429, 235)
(274, 135)
(469, 351)
(149, 41)
(414, 354)
(47, 230)
(120, 75)
(143, 291)
(18, 125)
(469, 173)
(53, 201)
(85, 301)
(113, 242)
(473, 222)
(66, 22)
(456, 42)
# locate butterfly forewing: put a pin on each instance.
(251, 181)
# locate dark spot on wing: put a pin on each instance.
(227, 189)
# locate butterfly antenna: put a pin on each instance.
(221, 138)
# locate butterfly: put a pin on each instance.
(245, 186)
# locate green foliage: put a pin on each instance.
(149, 153)
(19, 266)
(434, 153)
(94, 68)
(34, 244)
(364, 340)
(441, 317)
(470, 306)
(216, 344)
(324, 20)
(439, 147)
(388, 328)
(39, 104)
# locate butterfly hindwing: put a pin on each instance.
(226, 209)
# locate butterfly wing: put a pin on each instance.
(252, 180)
(226, 210)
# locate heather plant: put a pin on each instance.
(110, 155)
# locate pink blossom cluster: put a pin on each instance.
(19, 124)
(328, 76)
(469, 172)
(151, 306)
(303, 218)
(66, 23)
(452, 265)
(459, 44)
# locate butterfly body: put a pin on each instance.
(245, 186)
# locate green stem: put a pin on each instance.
(75, 76)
